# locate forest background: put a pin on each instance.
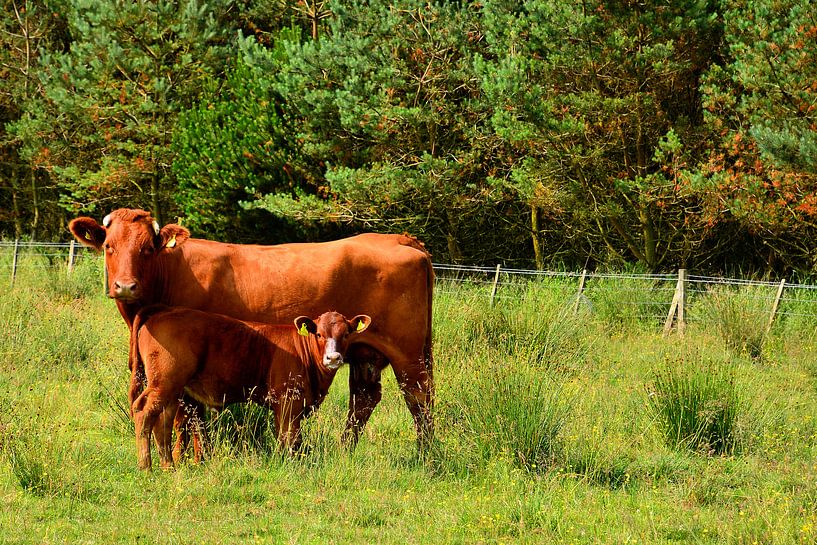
(643, 135)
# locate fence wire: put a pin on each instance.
(645, 296)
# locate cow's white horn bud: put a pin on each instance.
(106, 221)
(156, 226)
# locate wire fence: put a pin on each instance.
(658, 298)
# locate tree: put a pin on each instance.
(391, 130)
(596, 105)
(26, 28)
(762, 103)
(232, 146)
(102, 125)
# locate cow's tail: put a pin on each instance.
(135, 362)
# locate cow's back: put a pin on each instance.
(384, 276)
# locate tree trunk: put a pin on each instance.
(454, 252)
(156, 209)
(650, 239)
(537, 245)
(15, 203)
(35, 204)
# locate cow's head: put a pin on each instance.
(132, 242)
(333, 333)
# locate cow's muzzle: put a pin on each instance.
(125, 291)
(332, 360)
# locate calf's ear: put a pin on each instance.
(305, 326)
(88, 232)
(360, 323)
(171, 235)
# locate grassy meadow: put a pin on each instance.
(550, 428)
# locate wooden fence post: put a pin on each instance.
(776, 304)
(104, 274)
(493, 288)
(14, 260)
(71, 250)
(678, 305)
(580, 291)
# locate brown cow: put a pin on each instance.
(388, 277)
(218, 360)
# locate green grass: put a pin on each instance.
(547, 432)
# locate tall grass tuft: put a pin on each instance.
(696, 406)
(242, 428)
(624, 303)
(510, 410)
(539, 328)
(740, 318)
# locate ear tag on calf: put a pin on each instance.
(360, 326)
(87, 235)
(172, 242)
(302, 331)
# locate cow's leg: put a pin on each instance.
(416, 383)
(365, 389)
(163, 433)
(189, 422)
(288, 426)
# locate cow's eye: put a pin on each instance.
(109, 248)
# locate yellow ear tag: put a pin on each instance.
(87, 235)
(302, 331)
(360, 326)
(172, 242)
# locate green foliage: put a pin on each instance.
(598, 134)
(588, 99)
(760, 103)
(102, 123)
(391, 127)
(232, 147)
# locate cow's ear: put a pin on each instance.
(360, 323)
(171, 235)
(305, 326)
(88, 232)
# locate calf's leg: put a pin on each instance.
(146, 409)
(163, 432)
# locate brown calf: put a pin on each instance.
(218, 360)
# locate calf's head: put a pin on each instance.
(333, 333)
(132, 242)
